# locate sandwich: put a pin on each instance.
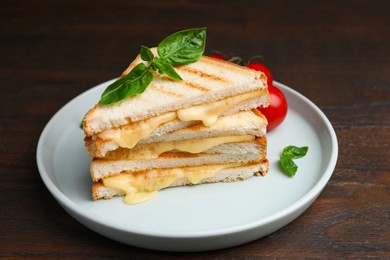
(204, 128)
(211, 88)
(197, 154)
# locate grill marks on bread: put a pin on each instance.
(166, 92)
(202, 74)
(189, 84)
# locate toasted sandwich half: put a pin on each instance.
(202, 129)
(210, 88)
(197, 154)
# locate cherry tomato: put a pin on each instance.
(217, 56)
(277, 110)
(262, 68)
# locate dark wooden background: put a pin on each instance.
(336, 53)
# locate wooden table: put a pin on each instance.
(336, 53)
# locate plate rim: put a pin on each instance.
(70, 205)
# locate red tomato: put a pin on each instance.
(217, 56)
(262, 68)
(277, 110)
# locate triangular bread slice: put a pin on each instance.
(205, 81)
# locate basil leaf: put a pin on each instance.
(183, 47)
(135, 82)
(167, 69)
(180, 48)
(153, 66)
(286, 159)
(146, 53)
(294, 152)
(287, 165)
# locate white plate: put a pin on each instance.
(195, 218)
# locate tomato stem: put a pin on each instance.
(238, 60)
(255, 57)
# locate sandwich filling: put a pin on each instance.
(197, 145)
(129, 135)
(208, 113)
(142, 186)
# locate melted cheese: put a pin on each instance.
(142, 186)
(128, 137)
(208, 113)
(153, 150)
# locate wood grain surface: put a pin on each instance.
(336, 53)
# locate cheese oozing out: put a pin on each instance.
(143, 186)
(208, 113)
(129, 136)
(153, 150)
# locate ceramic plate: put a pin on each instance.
(195, 218)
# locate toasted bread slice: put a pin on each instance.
(99, 191)
(122, 159)
(204, 81)
(252, 123)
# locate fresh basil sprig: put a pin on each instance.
(286, 159)
(180, 48)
